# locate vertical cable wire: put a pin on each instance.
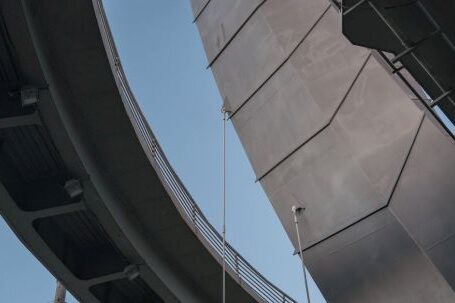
(297, 210)
(225, 114)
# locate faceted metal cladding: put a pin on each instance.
(328, 127)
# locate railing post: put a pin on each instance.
(153, 147)
(193, 215)
(178, 190)
(237, 271)
(116, 61)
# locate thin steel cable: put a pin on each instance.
(249, 278)
(296, 221)
(225, 116)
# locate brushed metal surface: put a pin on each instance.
(441, 254)
(376, 261)
(260, 48)
(424, 200)
(301, 97)
(284, 18)
(349, 169)
(425, 192)
(221, 20)
(198, 6)
(347, 142)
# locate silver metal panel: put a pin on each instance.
(221, 20)
(376, 261)
(198, 5)
(339, 150)
(425, 195)
(285, 20)
(258, 49)
(349, 169)
(246, 63)
(301, 97)
(441, 254)
(378, 124)
(426, 192)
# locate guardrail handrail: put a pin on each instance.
(238, 268)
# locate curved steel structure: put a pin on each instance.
(332, 128)
(84, 182)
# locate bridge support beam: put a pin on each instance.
(30, 119)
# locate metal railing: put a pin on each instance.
(408, 50)
(238, 268)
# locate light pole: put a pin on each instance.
(60, 293)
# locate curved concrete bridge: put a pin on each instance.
(84, 183)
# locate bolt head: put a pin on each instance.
(297, 209)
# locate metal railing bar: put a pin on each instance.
(416, 93)
(254, 284)
(405, 45)
(196, 220)
(349, 10)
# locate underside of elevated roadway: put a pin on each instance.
(84, 184)
(331, 127)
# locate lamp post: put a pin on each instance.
(60, 293)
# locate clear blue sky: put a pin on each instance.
(165, 63)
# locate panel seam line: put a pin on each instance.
(281, 64)
(201, 11)
(391, 194)
(221, 51)
(323, 127)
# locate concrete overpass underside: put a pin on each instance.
(84, 184)
(330, 127)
